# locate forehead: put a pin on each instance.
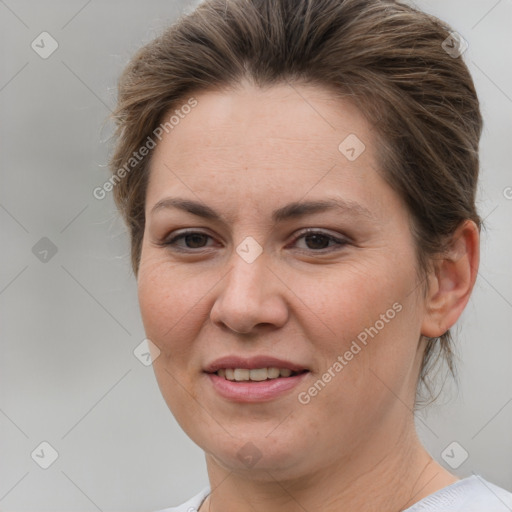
(248, 116)
(251, 142)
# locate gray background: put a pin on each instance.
(70, 321)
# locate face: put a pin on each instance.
(269, 247)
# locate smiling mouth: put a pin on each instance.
(256, 374)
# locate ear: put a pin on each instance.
(452, 280)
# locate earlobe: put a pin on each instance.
(452, 281)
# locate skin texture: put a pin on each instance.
(246, 152)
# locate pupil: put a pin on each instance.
(319, 241)
(194, 240)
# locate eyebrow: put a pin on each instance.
(290, 211)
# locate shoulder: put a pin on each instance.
(192, 505)
(472, 494)
(489, 497)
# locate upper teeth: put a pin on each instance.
(256, 374)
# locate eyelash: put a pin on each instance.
(309, 232)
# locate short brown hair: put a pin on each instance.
(386, 57)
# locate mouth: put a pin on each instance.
(255, 379)
(256, 374)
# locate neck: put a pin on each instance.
(381, 476)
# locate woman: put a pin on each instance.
(299, 178)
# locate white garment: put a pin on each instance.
(471, 494)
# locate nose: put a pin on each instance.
(250, 298)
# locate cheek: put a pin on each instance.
(170, 305)
(367, 315)
(169, 297)
(344, 302)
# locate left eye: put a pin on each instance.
(313, 241)
(316, 240)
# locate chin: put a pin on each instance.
(260, 456)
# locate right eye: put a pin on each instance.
(191, 239)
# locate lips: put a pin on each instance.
(255, 379)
